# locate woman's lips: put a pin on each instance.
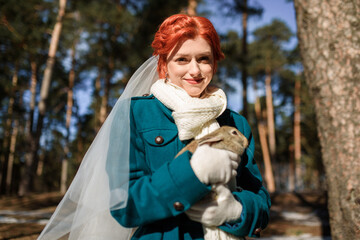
(193, 80)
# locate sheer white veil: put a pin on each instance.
(101, 182)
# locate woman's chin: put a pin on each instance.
(194, 93)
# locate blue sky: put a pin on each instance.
(280, 9)
(276, 9)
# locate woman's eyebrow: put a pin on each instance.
(187, 54)
(181, 54)
(206, 53)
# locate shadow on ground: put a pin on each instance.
(296, 214)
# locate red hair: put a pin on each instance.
(178, 28)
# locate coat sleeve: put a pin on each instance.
(252, 195)
(161, 193)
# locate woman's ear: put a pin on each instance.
(163, 71)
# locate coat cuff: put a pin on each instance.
(186, 189)
(254, 216)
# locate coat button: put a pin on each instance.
(257, 231)
(178, 206)
(159, 139)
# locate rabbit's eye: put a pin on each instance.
(234, 132)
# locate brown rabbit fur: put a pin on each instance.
(227, 138)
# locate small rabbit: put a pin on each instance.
(228, 138)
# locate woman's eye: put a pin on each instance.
(181, 60)
(204, 59)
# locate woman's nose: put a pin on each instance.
(194, 69)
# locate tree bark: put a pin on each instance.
(31, 159)
(329, 38)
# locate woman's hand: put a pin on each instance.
(212, 165)
(214, 211)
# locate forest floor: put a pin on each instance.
(293, 216)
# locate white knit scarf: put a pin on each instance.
(194, 117)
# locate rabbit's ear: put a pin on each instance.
(210, 140)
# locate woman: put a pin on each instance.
(134, 153)
(163, 191)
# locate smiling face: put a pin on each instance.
(191, 66)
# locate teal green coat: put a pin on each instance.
(162, 188)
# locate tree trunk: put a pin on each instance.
(79, 143)
(51, 58)
(297, 133)
(33, 84)
(31, 160)
(104, 102)
(270, 115)
(329, 37)
(105, 97)
(11, 156)
(97, 98)
(291, 177)
(8, 123)
(191, 9)
(244, 73)
(269, 175)
(70, 102)
(29, 133)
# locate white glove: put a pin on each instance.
(212, 165)
(214, 211)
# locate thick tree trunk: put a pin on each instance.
(329, 40)
(244, 73)
(269, 175)
(31, 159)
